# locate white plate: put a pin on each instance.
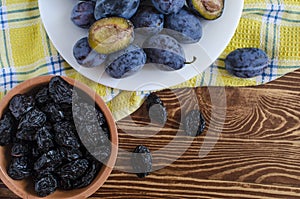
(64, 34)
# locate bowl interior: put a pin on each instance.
(24, 188)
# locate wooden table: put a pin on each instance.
(250, 148)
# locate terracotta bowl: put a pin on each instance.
(24, 188)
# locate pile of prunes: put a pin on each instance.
(57, 137)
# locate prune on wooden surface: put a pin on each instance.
(194, 123)
(153, 99)
(19, 168)
(157, 110)
(21, 104)
(19, 149)
(32, 120)
(65, 134)
(141, 161)
(44, 138)
(48, 161)
(60, 90)
(45, 185)
(73, 170)
(7, 129)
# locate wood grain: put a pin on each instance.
(250, 148)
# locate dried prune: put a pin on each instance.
(67, 111)
(19, 168)
(101, 152)
(158, 113)
(194, 123)
(53, 112)
(65, 184)
(152, 99)
(44, 138)
(36, 175)
(21, 104)
(19, 149)
(101, 119)
(88, 177)
(26, 134)
(48, 161)
(66, 134)
(246, 62)
(84, 112)
(7, 129)
(32, 120)
(105, 128)
(73, 170)
(157, 110)
(36, 153)
(91, 134)
(70, 154)
(45, 185)
(141, 161)
(42, 96)
(95, 140)
(60, 90)
(89, 122)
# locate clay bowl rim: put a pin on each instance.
(106, 169)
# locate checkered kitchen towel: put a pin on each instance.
(26, 51)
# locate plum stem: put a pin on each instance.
(190, 62)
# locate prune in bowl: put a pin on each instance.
(42, 151)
